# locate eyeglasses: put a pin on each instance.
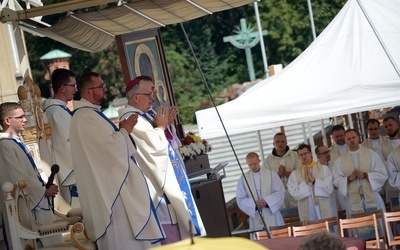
(19, 118)
(70, 85)
(149, 95)
(101, 86)
(324, 153)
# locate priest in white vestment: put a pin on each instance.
(267, 189)
(161, 163)
(359, 174)
(383, 147)
(312, 186)
(393, 168)
(283, 161)
(113, 192)
(391, 127)
(59, 116)
(16, 162)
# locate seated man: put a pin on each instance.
(17, 163)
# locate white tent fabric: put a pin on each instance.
(345, 70)
(95, 31)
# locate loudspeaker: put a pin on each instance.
(210, 201)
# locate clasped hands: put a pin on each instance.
(357, 174)
(309, 178)
(283, 172)
(261, 203)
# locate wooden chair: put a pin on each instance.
(310, 229)
(392, 238)
(280, 231)
(383, 237)
(291, 218)
(346, 224)
(332, 221)
(24, 230)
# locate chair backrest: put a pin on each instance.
(24, 229)
(291, 218)
(369, 220)
(280, 231)
(379, 218)
(391, 217)
(310, 229)
(332, 221)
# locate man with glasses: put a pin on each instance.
(17, 162)
(59, 116)
(324, 158)
(113, 193)
(161, 163)
(312, 186)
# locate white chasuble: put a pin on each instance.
(106, 173)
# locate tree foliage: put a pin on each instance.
(289, 33)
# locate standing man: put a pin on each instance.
(323, 154)
(324, 158)
(393, 168)
(337, 149)
(59, 116)
(392, 130)
(267, 189)
(113, 192)
(382, 147)
(359, 174)
(283, 161)
(377, 143)
(161, 163)
(17, 162)
(312, 186)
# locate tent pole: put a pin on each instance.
(323, 132)
(362, 123)
(379, 38)
(303, 126)
(350, 121)
(311, 19)
(260, 146)
(311, 140)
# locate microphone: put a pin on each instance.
(54, 170)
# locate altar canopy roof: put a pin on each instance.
(348, 68)
(95, 31)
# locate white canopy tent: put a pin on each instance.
(352, 66)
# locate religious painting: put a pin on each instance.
(143, 55)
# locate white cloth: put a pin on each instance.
(105, 171)
(59, 119)
(274, 199)
(393, 169)
(153, 159)
(15, 165)
(376, 177)
(323, 187)
(291, 162)
(394, 143)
